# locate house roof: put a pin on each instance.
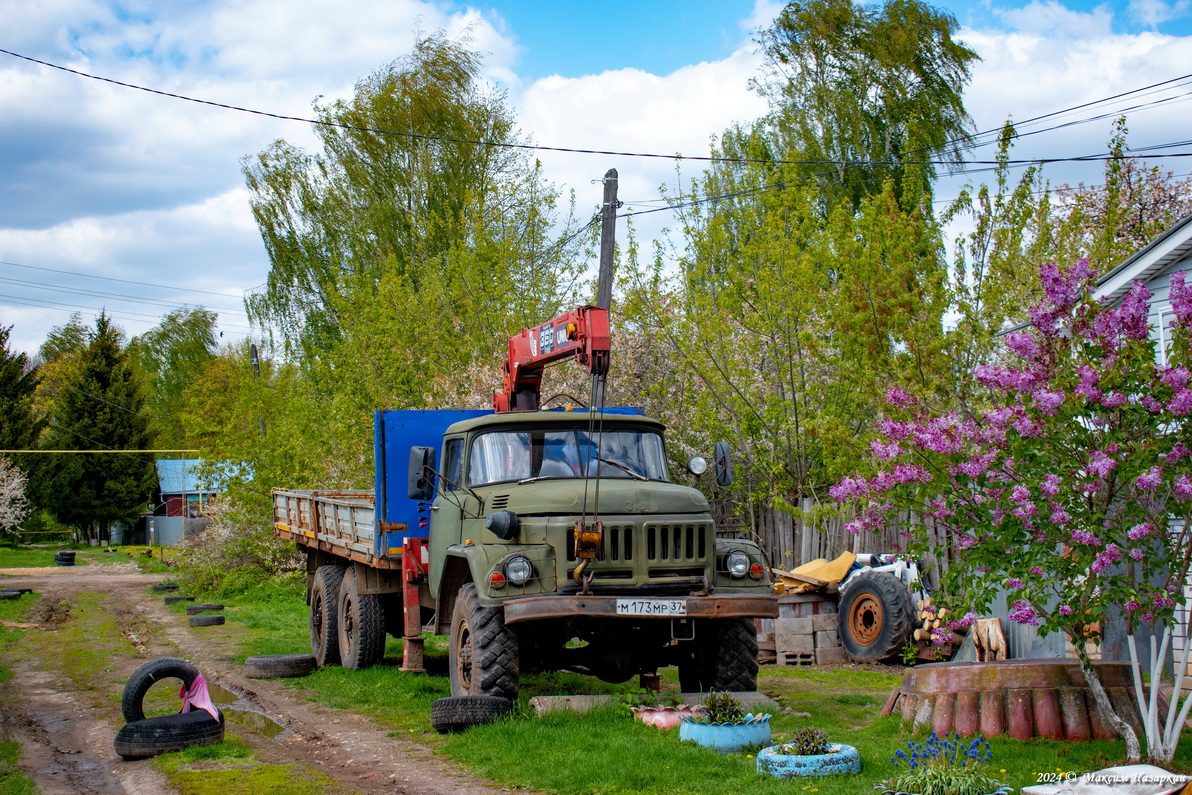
(1149, 261)
(177, 476)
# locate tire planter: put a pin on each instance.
(727, 738)
(839, 761)
(270, 666)
(667, 717)
(206, 621)
(1005, 789)
(456, 713)
(152, 736)
(132, 702)
(194, 610)
(64, 558)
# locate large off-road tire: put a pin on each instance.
(483, 656)
(165, 733)
(361, 626)
(875, 618)
(723, 657)
(132, 702)
(456, 713)
(324, 615)
(269, 666)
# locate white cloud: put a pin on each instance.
(1049, 17)
(1156, 12)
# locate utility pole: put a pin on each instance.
(604, 279)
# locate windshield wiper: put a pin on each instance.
(622, 467)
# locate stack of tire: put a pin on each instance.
(144, 737)
(64, 558)
(202, 615)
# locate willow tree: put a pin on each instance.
(170, 356)
(860, 92)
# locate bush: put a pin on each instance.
(237, 552)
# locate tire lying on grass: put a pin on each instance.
(269, 666)
(9, 595)
(18, 589)
(194, 610)
(132, 702)
(171, 599)
(456, 713)
(165, 586)
(206, 621)
(152, 736)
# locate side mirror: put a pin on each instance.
(420, 480)
(724, 464)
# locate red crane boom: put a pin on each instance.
(582, 333)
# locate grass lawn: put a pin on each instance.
(607, 751)
(22, 557)
(12, 781)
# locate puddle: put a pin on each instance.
(238, 712)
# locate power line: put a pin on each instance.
(113, 279)
(532, 147)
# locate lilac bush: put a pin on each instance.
(1072, 488)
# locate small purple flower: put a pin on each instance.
(1113, 400)
(1015, 583)
(1023, 613)
(1050, 485)
(1037, 571)
(898, 397)
(1101, 464)
(1150, 404)
(1106, 558)
(964, 541)
(1048, 402)
(1135, 554)
(885, 451)
(1150, 480)
(1065, 610)
(1059, 516)
(1182, 488)
(1181, 299)
(1085, 537)
(1140, 531)
(1131, 606)
(1180, 403)
(1020, 494)
(1175, 377)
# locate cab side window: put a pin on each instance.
(453, 463)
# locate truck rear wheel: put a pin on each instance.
(361, 626)
(723, 659)
(483, 654)
(324, 615)
(876, 617)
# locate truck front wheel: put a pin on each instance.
(361, 626)
(722, 657)
(484, 655)
(324, 615)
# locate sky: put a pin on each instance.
(134, 202)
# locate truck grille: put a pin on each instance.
(662, 543)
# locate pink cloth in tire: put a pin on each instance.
(197, 697)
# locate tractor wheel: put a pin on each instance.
(876, 617)
(724, 659)
(483, 657)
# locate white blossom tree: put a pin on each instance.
(14, 507)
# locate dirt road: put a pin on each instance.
(66, 714)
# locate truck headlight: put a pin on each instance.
(737, 563)
(518, 570)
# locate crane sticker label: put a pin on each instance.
(546, 338)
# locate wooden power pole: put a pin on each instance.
(604, 280)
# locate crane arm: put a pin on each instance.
(581, 332)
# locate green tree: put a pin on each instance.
(100, 408)
(171, 356)
(864, 92)
(19, 425)
(397, 191)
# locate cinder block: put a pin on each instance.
(794, 626)
(798, 643)
(797, 658)
(825, 639)
(824, 622)
(829, 655)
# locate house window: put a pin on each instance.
(1165, 318)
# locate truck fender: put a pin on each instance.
(462, 564)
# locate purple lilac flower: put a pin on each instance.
(1101, 464)
(1150, 480)
(965, 541)
(898, 397)
(1175, 377)
(849, 488)
(941, 636)
(885, 451)
(1150, 404)
(1147, 616)
(1140, 531)
(1106, 558)
(1023, 613)
(1050, 485)
(1022, 344)
(1131, 606)
(1181, 402)
(1014, 582)
(1134, 310)
(978, 464)
(911, 473)
(967, 620)
(1048, 402)
(1181, 298)
(1065, 610)
(1182, 488)
(1037, 571)
(1135, 554)
(1020, 494)
(1160, 601)
(1179, 451)
(1113, 400)
(1059, 516)
(894, 429)
(1085, 537)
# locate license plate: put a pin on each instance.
(651, 607)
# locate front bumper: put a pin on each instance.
(533, 608)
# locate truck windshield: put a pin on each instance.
(499, 456)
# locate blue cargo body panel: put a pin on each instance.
(395, 432)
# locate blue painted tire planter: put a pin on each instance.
(841, 760)
(728, 738)
(1005, 789)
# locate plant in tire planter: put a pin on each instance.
(663, 712)
(948, 765)
(808, 753)
(725, 726)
